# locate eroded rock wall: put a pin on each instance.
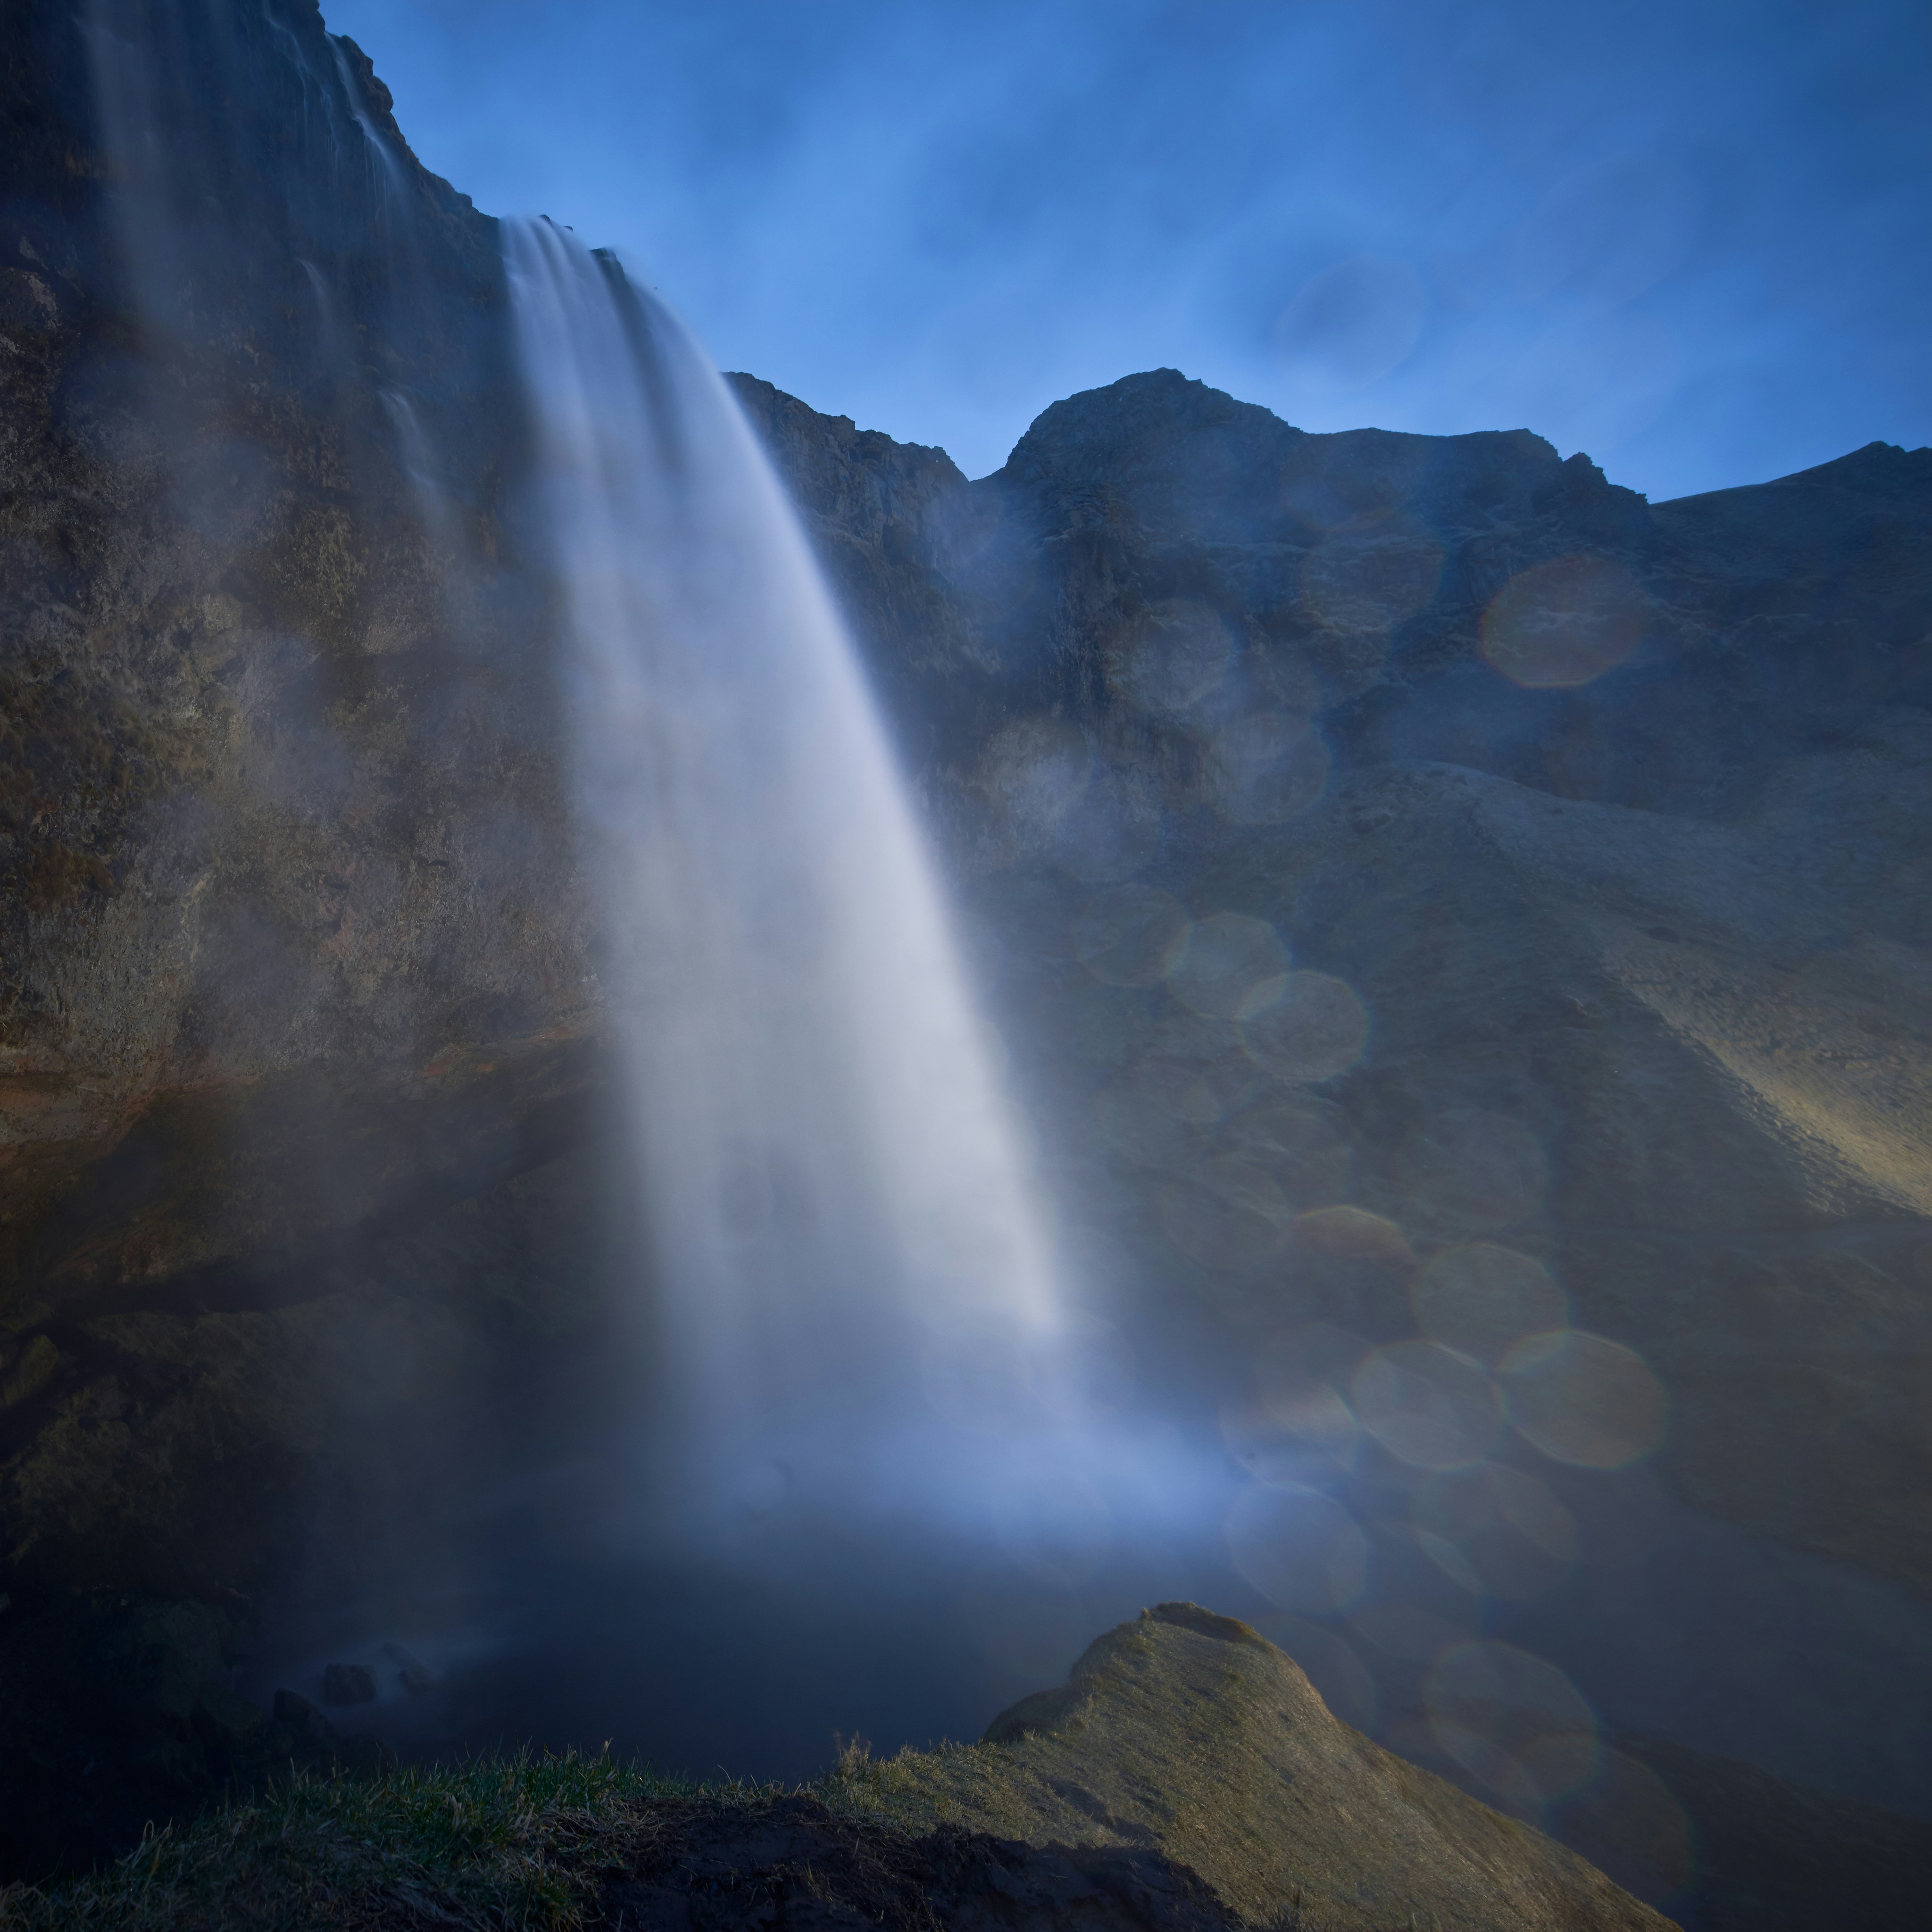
(1609, 816)
(294, 957)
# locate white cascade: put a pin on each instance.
(851, 1261)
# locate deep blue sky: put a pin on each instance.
(1692, 237)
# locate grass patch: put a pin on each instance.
(493, 1842)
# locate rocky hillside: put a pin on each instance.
(1597, 825)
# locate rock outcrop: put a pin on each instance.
(1190, 1734)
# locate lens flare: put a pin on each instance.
(1169, 656)
(1265, 768)
(1557, 625)
(1508, 1527)
(1481, 1299)
(1035, 771)
(1302, 1550)
(1234, 965)
(1315, 1029)
(1297, 1436)
(1371, 580)
(1514, 1720)
(1582, 1399)
(1428, 1406)
(1130, 936)
(1474, 1167)
(1214, 1231)
(1329, 1662)
(1352, 322)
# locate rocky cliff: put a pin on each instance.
(1437, 900)
(297, 1028)
(1635, 924)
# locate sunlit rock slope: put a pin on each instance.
(1189, 1733)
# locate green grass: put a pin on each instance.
(491, 1842)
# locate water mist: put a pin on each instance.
(854, 1276)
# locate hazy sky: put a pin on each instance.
(1692, 237)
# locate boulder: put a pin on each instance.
(348, 1684)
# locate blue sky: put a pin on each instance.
(1693, 239)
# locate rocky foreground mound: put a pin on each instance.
(1189, 1733)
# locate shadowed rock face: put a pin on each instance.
(1609, 815)
(293, 956)
(1189, 1733)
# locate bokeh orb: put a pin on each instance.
(1371, 579)
(1427, 1405)
(1266, 767)
(1512, 1720)
(1482, 1299)
(1130, 935)
(1296, 1435)
(1585, 1399)
(1507, 1526)
(1170, 655)
(1557, 626)
(1301, 1550)
(1313, 1031)
(1234, 965)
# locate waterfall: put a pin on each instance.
(850, 1257)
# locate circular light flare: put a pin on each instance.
(1428, 1406)
(1506, 1526)
(1370, 579)
(1234, 965)
(1301, 1550)
(1266, 768)
(1471, 1165)
(1584, 1400)
(1557, 626)
(1294, 1436)
(1035, 771)
(1131, 935)
(1314, 1030)
(1170, 655)
(1514, 1720)
(1482, 1299)
(1215, 1232)
(1352, 322)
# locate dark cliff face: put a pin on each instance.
(1640, 933)
(293, 960)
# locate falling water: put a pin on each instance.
(849, 1253)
